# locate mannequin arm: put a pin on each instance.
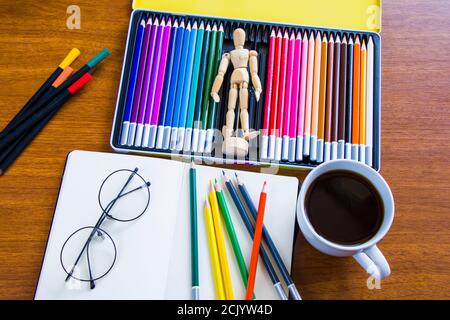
(254, 73)
(219, 78)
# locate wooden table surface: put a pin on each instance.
(415, 152)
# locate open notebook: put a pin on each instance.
(153, 252)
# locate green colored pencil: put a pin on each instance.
(194, 233)
(218, 56)
(209, 76)
(194, 86)
(232, 234)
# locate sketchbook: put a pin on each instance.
(152, 252)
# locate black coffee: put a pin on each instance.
(344, 207)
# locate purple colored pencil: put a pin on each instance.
(140, 80)
(153, 82)
(146, 85)
(160, 82)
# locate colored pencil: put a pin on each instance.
(270, 244)
(179, 99)
(349, 101)
(342, 99)
(21, 115)
(194, 85)
(207, 89)
(232, 234)
(132, 84)
(42, 106)
(213, 253)
(309, 93)
(362, 104)
(221, 244)
(281, 98)
(180, 35)
(139, 82)
(275, 96)
(201, 89)
(251, 231)
(356, 97)
(336, 90)
(194, 233)
(166, 87)
(160, 83)
(294, 96)
(149, 77)
(212, 110)
(288, 98)
(369, 103)
(315, 97)
(302, 98)
(322, 99)
(268, 98)
(36, 122)
(186, 87)
(329, 101)
(153, 82)
(256, 242)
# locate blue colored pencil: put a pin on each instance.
(186, 87)
(180, 87)
(132, 83)
(173, 85)
(251, 230)
(167, 80)
(270, 244)
(200, 89)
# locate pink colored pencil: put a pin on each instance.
(160, 82)
(282, 92)
(269, 92)
(309, 95)
(294, 96)
(302, 98)
(288, 97)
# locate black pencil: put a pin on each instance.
(67, 61)
(30, 122)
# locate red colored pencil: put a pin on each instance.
(282, 92)
(256, 243)
(275, 94)
(269, 93)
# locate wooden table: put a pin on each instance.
(415, 152)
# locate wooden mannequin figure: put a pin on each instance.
(240, 58)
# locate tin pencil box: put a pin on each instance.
(320, 95)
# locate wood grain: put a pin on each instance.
(415, 152)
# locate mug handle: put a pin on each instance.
(374, 262)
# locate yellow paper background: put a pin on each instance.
(342, 14)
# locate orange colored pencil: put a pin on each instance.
(315, 97)
(309, 92)
(356, 97)
(322, 100)
(362, 103)
(256, 243)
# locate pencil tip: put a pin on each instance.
(264, 188)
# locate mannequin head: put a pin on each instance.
(239, 38)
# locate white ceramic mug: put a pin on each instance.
(366, 254)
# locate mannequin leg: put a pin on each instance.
(243, 104)
(229, 123)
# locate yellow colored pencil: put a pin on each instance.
(221, 244)
(214, 255)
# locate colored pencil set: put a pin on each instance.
(43, 105)
(217, 214)
(320, 99)
(168, 104)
